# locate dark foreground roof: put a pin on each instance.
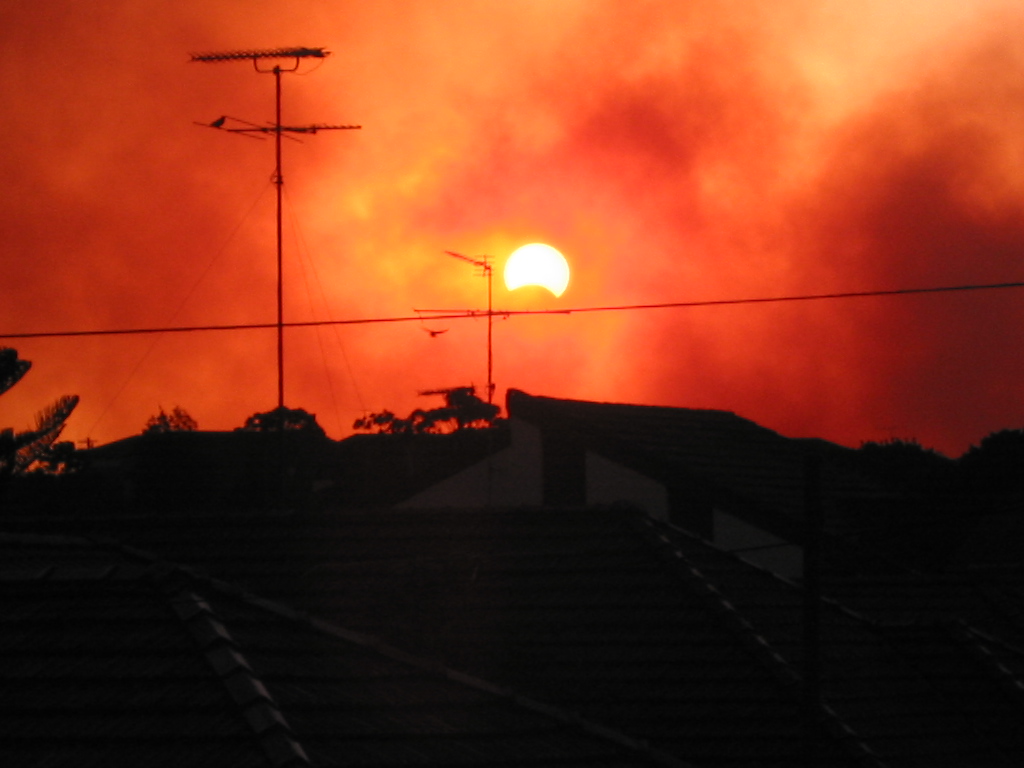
(927, 689)
(112, 659)
(637, 626)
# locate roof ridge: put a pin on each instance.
(258, 707)
(526, 397)
(968, 722)
(993, 595)
(977, 632)
(226, 658)
(996, 598)
(220, 649)
(541, 707)
(832, 602)
(395, 653)
(971, 637)
(781, 668)
(756, 642)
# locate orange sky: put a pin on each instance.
(672, 151)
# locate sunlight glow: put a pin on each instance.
(537, 264)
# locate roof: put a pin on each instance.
(112, 658)
(993, 540)
(989, 599)
(926, 687)
(380, 470)
(740, 463)
(178, 472)
(639, 627)
(566, 607)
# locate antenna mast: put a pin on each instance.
(486, 271)
(278, 130)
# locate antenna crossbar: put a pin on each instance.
(280, 131)
(267, 53)
(293, 128)
(486, 270)
(480, 261)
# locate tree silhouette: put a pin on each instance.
(37, 449)
(996, 466)
(908, 465)
(286, 419)
(462, 410)
(11, 368)
(177, 420)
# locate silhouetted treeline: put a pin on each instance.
(935, 503)
(995, 467)
(462, 409)
(987, 475)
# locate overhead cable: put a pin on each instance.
(476, 313)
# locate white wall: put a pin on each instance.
(510, 477)
(608, 482)
(757, 546)
(514, 477)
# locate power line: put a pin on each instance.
(780, 299)
(476, 313)
(304, 251)
(181, 307)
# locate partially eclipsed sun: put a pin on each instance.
(537, 264)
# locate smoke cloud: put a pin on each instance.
(672, 153)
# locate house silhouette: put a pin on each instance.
(576, 623)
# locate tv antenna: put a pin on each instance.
(242, 127)
(486, 270)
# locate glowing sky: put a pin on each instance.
(672, 151)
